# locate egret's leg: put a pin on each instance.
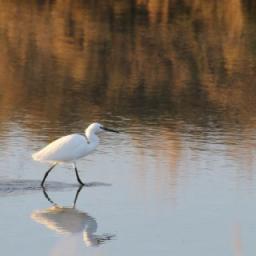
(77, 194)
(77, 176)
(46, 174)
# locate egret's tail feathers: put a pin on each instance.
(36, 156)
(41, 157)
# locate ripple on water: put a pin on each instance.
(14, 187)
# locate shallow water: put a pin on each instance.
(177, 80)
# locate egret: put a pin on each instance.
(70, 148)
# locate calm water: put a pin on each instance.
(177, 78)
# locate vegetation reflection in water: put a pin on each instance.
(129, 58)
(187, 67)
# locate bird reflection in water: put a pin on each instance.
(70, 221)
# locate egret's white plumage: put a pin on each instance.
(70, 148)
(65, 149)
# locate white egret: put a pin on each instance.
(70, 148)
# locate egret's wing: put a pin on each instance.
(64, 149)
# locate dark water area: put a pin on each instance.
(148, 60)
(177, 78)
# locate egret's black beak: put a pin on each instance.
(108, 129)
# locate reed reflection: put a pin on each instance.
(135, 58)
(70, 221)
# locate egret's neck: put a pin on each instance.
(91, 136)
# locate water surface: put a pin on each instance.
(177, 79)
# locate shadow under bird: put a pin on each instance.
(70, 148)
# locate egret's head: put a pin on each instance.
(98, 128)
